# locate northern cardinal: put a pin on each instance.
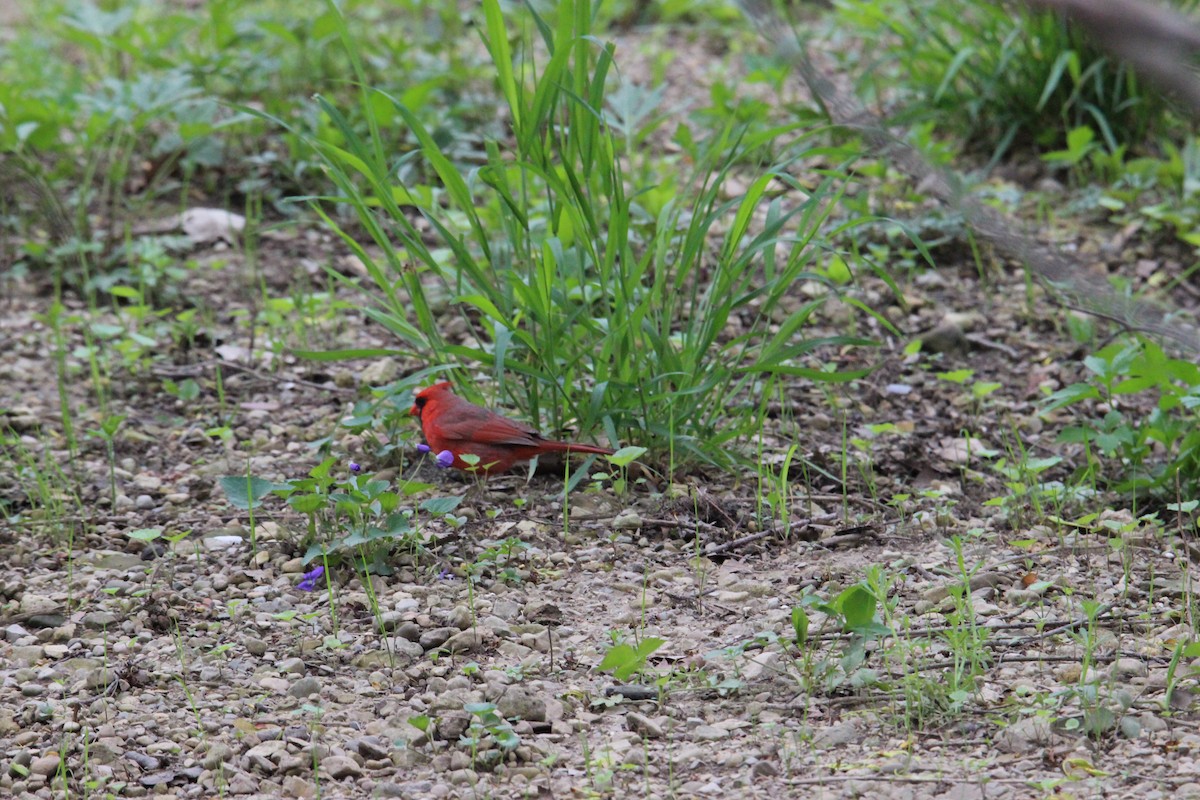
(463, 428)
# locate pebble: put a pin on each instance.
(274, 684)
(1025, 736)
(339, 767)
(291, 666)
(467, 641)
(372, 747)
(517, 702)
(305, 687)
(836, 735)
(709, 733)
(437, 637)
(643, 725)
(45, 765)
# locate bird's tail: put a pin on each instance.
(574, 447)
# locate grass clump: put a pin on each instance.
(1000, 78)
(594, 286)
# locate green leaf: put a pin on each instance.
(441, 505)
(145, 534)
(626, 455)
(800, 625)
(857, 605)
(306, 503)
(246, 492)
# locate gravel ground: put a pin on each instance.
(1027, 657)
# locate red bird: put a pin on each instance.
(463, 428)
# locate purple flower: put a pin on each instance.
(445, 459)
(423, 449)
(309, 581)
(355, 466)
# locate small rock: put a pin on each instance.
(467, 641)
(765, 663)
(1125, 668)
(304, 687)
(144, 761)
(460, 618)
(543, 613)
(506, 609)
(99, 620)
(409, 630)
(14, 633)
(436, 637)
(835, 735)
(274, 684)
(451, 726)
(709, 733)
(1025, 736)
(945, 338)
(643, 725)
(339, 767)
(147, 482)
(520, 703)
(242, 783)
(217, 755)
(389, 621)
(35, 604)
(627, 520)
(372, 747)
(297, 787)
(291, 666)
(256, 647)
(46, 765)
(464, 777)
(380, 371)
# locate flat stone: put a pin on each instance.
(835, 735)
(46, 765)
(468, 641)
(304, 687)
(372, 747)
(295, 786)
(643, 725)
(274, 684)
(99, 620)
(709, 733)
(1025, 736)
(436, 637)
(292, 666)
(517, 702)
(340, 767)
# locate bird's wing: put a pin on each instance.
(489, 428)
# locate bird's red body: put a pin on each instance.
(463, 428)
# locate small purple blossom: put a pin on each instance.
(445, 459)
(309, 581)
(355, 466)
(423, 449)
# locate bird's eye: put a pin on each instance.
(420, 402)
